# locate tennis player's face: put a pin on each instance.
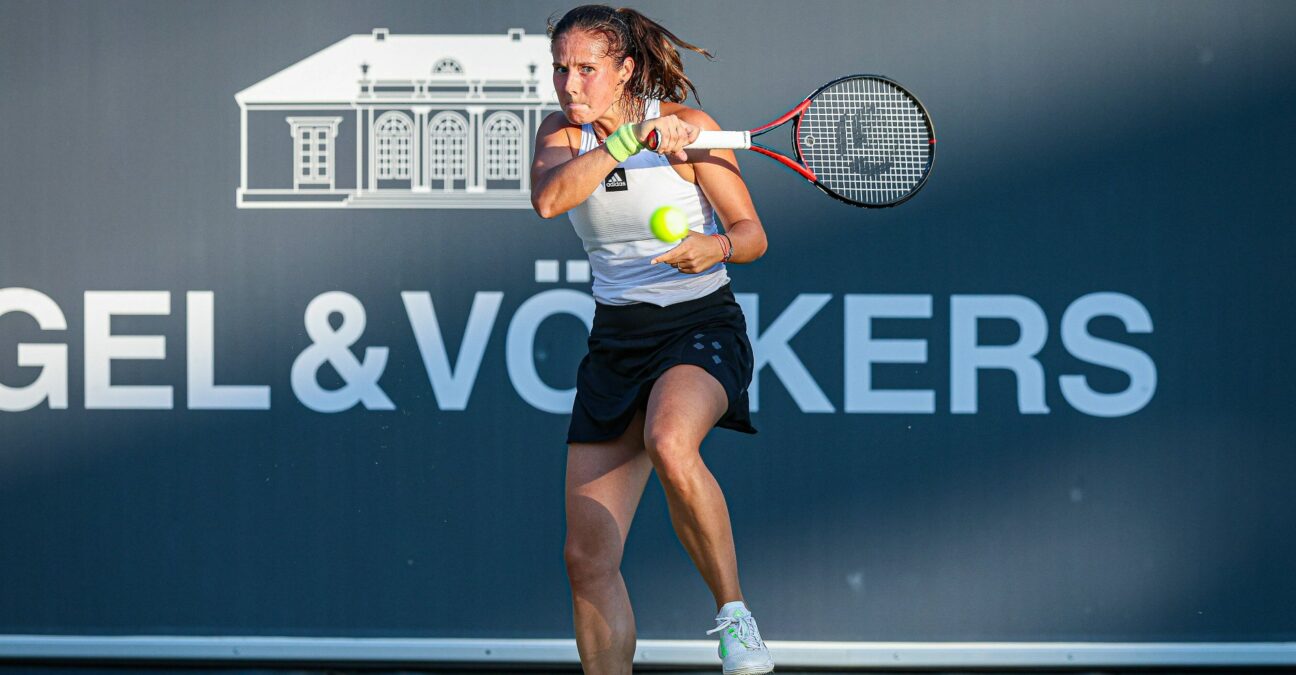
(587, 80)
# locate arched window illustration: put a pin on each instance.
(447, 148)
(503, 139)
(394, 145)
(447, 67)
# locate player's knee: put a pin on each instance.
(590, 562)
(674, 454)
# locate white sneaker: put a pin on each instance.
(741, 647)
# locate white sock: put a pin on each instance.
(729, 608)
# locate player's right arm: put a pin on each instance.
(561, 179)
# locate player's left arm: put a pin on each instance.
(722, 183)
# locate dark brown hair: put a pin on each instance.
(658, 72)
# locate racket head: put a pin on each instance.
(868, 141)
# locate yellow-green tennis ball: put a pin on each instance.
(669, 224)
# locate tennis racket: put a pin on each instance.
(862, 139)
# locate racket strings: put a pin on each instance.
(866, 140)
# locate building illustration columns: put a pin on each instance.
(477, 149)
(360, 145)
(419, 181)
(369, 165)
(526, 114)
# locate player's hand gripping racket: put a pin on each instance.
(863, 139)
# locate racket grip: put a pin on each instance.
(722, 140)
(711, 140)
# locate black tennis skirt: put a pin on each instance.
(630, 346)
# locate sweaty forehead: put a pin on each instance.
(578, 46)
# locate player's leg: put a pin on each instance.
(684, 405)
(603, 486)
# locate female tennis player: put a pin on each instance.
(668, 353)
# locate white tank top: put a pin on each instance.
(613, 224)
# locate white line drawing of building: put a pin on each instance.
(380, 120)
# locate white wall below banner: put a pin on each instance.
(683, 653)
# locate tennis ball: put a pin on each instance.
(669, 224)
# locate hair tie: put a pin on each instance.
(726, 246)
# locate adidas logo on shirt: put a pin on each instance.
(616, 181)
